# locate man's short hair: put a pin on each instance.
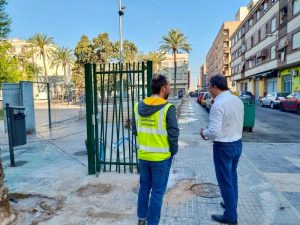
(219, 81)
(157, 83)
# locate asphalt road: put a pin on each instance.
(274, 126)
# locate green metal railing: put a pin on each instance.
(111, 92)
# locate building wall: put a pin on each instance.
(262, 45)
(218, 58)
(182, 71)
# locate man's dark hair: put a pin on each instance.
(219, 81)
(157, 83)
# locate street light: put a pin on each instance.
(121, 13)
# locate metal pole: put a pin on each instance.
(10, 134)
(121, 13)
(90, 120)
(49, 104)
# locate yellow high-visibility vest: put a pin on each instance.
(152, 136)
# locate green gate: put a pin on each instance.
(111, 91)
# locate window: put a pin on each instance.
(296, 40)
(296, 7)
(259, 35)
(265, 6)
(283, 15)
(273, 2)
(240, 34)
(250, 22)
(267, 28)
(258, 15)
(273, 52)
(256, 60)
(243, 30)
(251, 41)
(273, 25)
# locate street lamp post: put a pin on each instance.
(121, 13)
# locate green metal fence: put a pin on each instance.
(111, 92)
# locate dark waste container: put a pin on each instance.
(249, 114)
(18, 129)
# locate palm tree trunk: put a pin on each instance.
(175, 72)
(44, 61)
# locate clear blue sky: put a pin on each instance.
(144, 22)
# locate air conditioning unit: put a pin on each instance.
(294, 72)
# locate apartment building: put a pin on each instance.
(182, 81)
(265, 49)
(218, 57)
(202, 80)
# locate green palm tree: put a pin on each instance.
(41, 44)
(175, 42)
(62, 57)
(157, 58)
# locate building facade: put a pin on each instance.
(218, 57)
(266, 48)
(182, 81)
(202, 80)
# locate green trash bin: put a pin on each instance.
(249, 114)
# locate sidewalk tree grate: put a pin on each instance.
(206, 190)
(80, 153)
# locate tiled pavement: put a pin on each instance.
(259, 201)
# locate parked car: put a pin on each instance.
(209, 102)
(204, 99)
(273, 99)
(291, 103)
(247, 95)
(180, 93)
(192, 94)
(200, 95)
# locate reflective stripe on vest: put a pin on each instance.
(158, 134)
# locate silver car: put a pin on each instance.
(273, 99)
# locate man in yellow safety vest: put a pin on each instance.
(156, 127)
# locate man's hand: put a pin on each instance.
(202, 135)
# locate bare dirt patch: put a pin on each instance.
(94, 189)
(180, 193)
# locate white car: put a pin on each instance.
(273, 99)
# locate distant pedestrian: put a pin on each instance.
(225, 130)
(156, 127)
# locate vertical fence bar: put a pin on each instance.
(149, 77)
(95, 81)
(143, 79)
(107, 101)
(102, 147)
(128, 118)
(114, 114)
(138, 80)
(122, 115)
(89, 118)
(49, 105)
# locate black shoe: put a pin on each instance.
(223, 205)
(142, 222)
(221, 219)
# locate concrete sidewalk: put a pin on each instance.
(56, 189)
